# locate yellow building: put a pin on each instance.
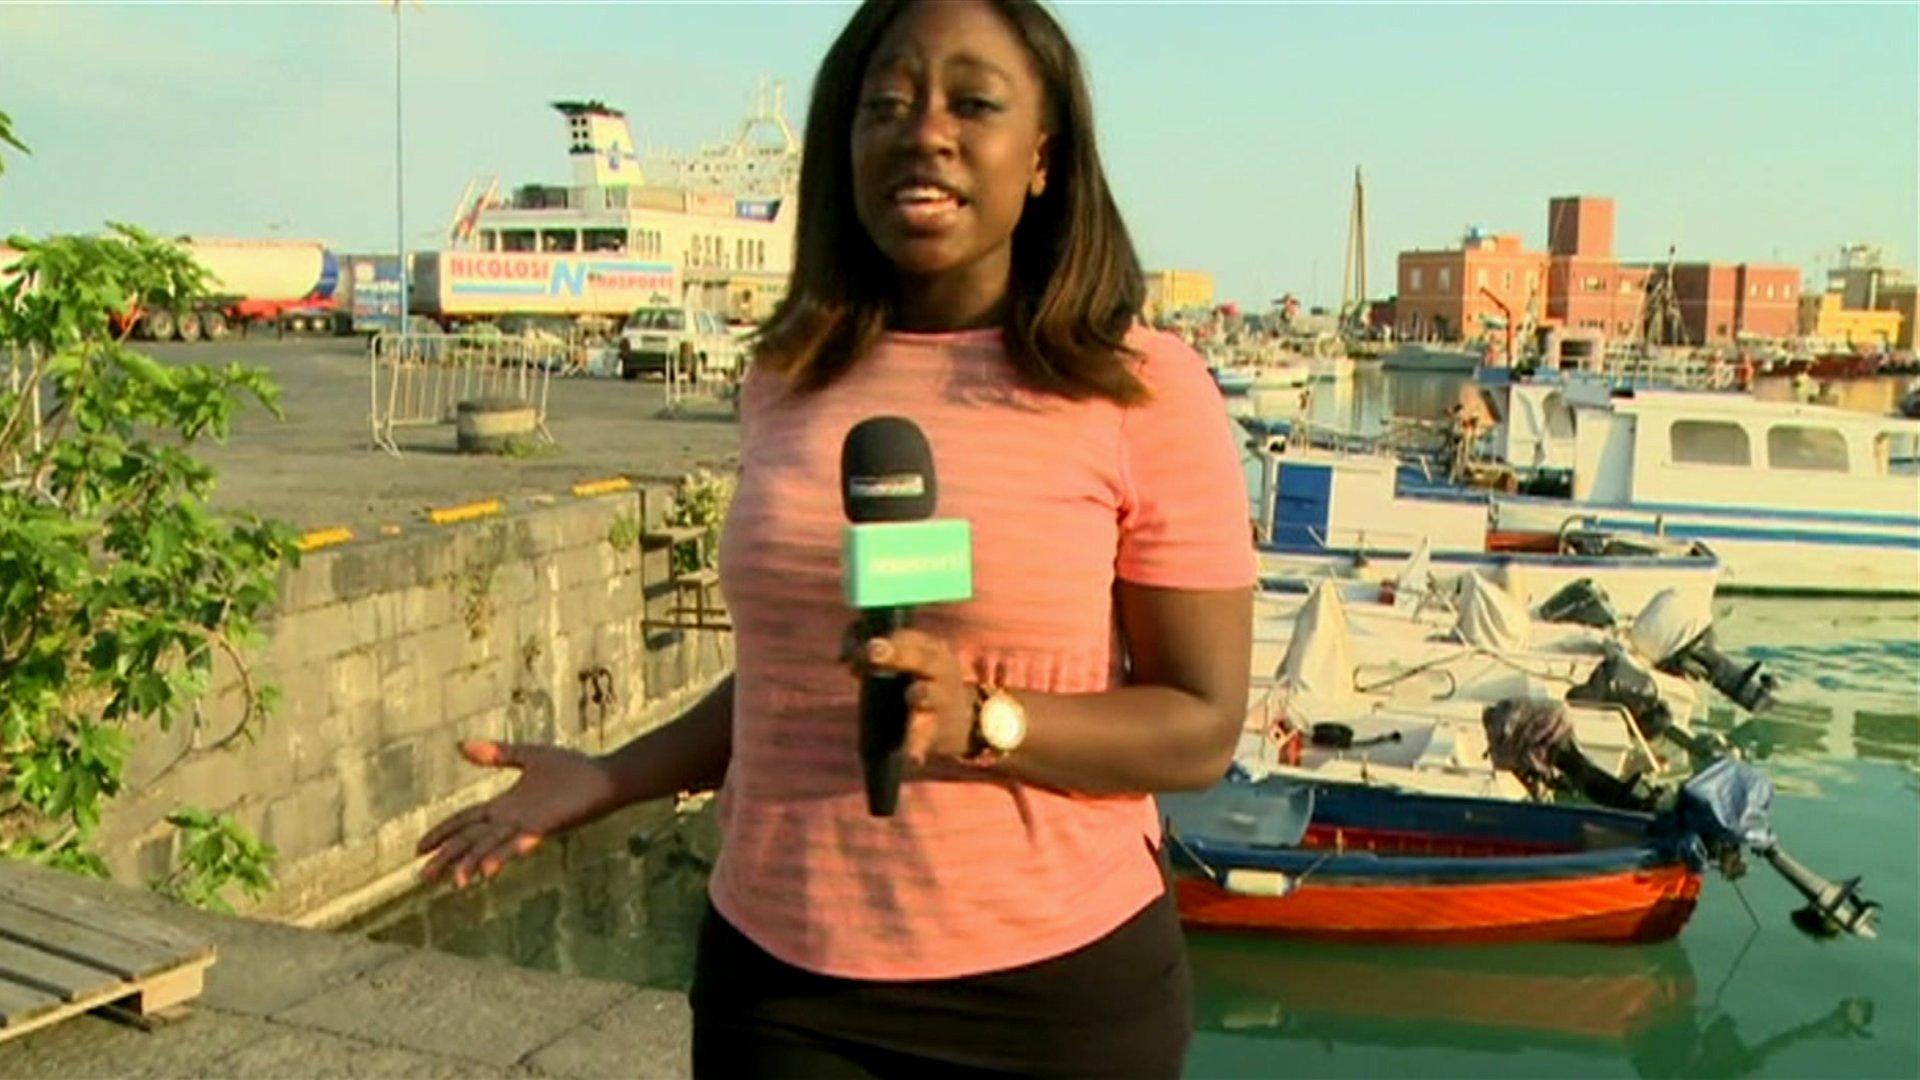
(1824, 317)
(1170, 291)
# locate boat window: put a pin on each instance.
(605, 239)
(516, 240)
(1797, 446)
(1559, 416)
(1897, 453)
(1709, 442)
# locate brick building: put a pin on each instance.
(1587, 287)
(1726, 302)
(1580, 284)
(1444, 295)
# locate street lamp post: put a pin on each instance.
(399, 175)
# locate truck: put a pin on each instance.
(460, 288)
(370, 293)
(287, 285)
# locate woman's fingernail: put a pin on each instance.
(879, 650)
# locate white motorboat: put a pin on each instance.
(1324, 512)
(1792, 497)
(1375, 694)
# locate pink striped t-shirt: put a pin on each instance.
(975, 872)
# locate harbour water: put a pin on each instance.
(1739, 993)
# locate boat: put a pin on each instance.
(1792, 497)
(1432, 358)
(1350, 863)
(1410, 697)
(1233, 381)
(1329, 368)
(1333, 512)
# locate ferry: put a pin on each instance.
(713, 229)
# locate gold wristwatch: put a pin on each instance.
(999, 726)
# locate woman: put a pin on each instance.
(959, 262)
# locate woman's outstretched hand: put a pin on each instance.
(940, 701)
(557, 790)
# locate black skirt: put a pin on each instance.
(1119, 1007)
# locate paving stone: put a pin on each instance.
(262, 969)
(90, 1046)
(649, 1035)
(488, 1013)
(304, 1052)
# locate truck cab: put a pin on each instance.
(661, 334)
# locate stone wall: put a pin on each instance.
(532, 627)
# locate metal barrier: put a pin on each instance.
(420, 379)
(703, 383)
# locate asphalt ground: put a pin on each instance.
(318, 468)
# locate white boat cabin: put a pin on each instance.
(1679, 448)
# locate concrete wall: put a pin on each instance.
(523, 627)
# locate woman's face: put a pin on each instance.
(948, 140)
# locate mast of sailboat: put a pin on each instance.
(1353, 276)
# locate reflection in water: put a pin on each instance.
(619, 900)
(1565, 996)
(1637, 1003)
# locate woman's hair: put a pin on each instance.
(1076, 285)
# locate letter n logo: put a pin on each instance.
(569, 275)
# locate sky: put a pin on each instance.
(1230, 132)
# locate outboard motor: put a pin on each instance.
(1582, 603)
(1728, 807)
(1618, 680)
(1681, 643)
(1534, 741)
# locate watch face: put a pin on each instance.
(1002, 723)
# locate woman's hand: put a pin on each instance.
(557, 790)
(940, 701)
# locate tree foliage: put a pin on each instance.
(118, 586)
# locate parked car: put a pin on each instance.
(697, 341)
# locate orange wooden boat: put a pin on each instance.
(1353, 863)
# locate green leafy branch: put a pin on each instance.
(118, 585)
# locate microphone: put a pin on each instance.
(895, 555)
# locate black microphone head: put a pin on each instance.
(886, 471)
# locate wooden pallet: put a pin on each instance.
(62, 954)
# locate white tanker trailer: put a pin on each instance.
(286, 284)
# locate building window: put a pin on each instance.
(1796, 446)
(1506, 280)
(1533, 280)
(1769, 292)
(1413, 280)
(1626, 286)
(1709, 442)
(1480, 278)
(1446, 278)
(1593, 284)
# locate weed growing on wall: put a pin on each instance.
(700, 498)
(118, 587)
